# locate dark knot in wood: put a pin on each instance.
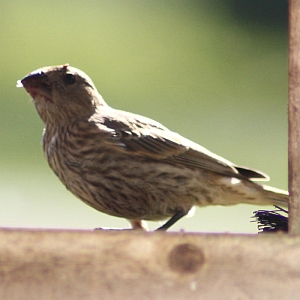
(186, 258)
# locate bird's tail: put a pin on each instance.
(276, 196)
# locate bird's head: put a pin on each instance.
(61, 94)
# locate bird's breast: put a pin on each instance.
(122, 184)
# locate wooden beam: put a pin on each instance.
(139, 265)
(294, 116)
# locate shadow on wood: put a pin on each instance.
(40, 264)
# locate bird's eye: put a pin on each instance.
(69, 78)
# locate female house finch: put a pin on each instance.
(127, 165)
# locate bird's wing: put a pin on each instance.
(142, 136)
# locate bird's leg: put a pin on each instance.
(173, 220)
(138, 224)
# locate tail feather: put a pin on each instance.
(277, 196)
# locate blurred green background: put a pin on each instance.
(214, 71)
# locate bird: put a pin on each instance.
(130, 166)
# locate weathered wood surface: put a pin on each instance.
(40, 264)
(294, 115)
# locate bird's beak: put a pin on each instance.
(36, 84)
(34, 76)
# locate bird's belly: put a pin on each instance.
(133, 188)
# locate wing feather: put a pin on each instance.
(142, 136)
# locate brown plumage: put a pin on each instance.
(127, 165)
